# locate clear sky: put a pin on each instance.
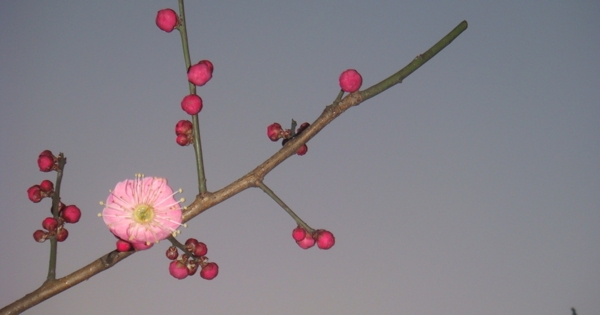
(471, 188)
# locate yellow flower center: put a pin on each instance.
(143, 213)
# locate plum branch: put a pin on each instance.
(206, 200)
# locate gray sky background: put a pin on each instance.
(471, 188)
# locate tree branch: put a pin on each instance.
(207, 200)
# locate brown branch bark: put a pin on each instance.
(207, 200)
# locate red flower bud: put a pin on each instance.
(71, 214)
(325, 239)
(50, 224)
(302, 150)
(192, 267)
(274, 131)
(166, 20)
(350, 81)
(298, 234)
(34, 193)
(172, 253)
(184, 127)
(46, 163)
(302, 127)
(209, 271)
(178, 270)
(200, 73)
(208, 64)
(123, 246)
(183, 140)
(62, 234)
(307, 242)
(200, 249)
(191, 104)
(40, 236)
(46, 186)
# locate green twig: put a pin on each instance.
(287, 209)
(197, 141)
(339, 97)
(62, 160)
(294, 124)
(179, 245)
(414, 65)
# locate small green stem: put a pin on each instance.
(287, 209)
(52, 263)
(62, 160)
(339, 97)
(294, 124)
(199, 159)
(186, 58)
(415, 64)
(179, 245)
(184, 41)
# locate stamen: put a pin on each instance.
(169, 220)
(168, 208)
(120, 210)
(126, 205)
(115, 215)
(169, 197)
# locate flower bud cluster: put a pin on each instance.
(192, 104)
(276, 132)
(188, 263)
(37, 192)
(323, 238)
(54, 225)
(184, 132)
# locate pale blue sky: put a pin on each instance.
(470, 188)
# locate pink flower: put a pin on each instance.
(142, 211)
